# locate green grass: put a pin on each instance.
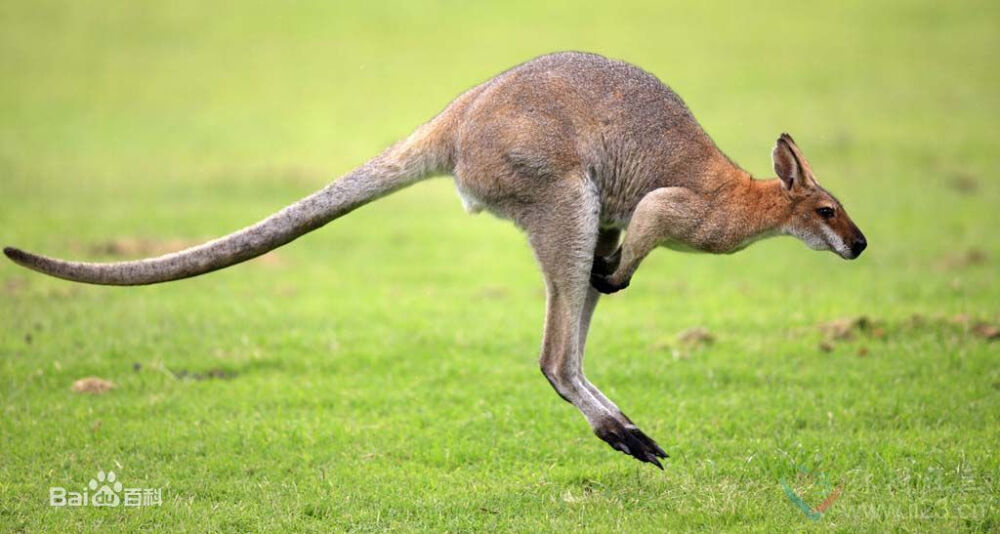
(383, 368)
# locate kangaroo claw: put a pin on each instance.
(630, 440)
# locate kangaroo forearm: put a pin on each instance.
(660, 216)
(614, 273)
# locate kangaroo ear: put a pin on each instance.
(790, 165)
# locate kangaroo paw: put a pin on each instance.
(606, 265)
(603, 284)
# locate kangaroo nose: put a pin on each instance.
(859, 245)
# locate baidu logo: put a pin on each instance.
(105, 491)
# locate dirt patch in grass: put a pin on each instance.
(687, 342)
(964, 182)
(92, 385)
(848, 329)
(987, 330)
(696, 337)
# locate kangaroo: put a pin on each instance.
(574, 148)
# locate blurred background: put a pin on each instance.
(136, 128)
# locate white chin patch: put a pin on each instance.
(813, 241)
(817, 244)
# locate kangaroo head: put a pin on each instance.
(816, 217)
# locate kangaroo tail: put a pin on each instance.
(422, 155)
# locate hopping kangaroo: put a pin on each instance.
(574, 148)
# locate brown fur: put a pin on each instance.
(574, 148)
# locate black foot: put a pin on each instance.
(601, 271)
(605, 265)
(631, 441)
(602, 284)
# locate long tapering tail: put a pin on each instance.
(409, 161)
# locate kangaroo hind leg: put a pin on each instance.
(563, 233)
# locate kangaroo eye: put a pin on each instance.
(825, 212)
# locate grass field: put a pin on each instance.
(381, 375)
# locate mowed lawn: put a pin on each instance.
(380, 374)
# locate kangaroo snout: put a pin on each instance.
(858, 246)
